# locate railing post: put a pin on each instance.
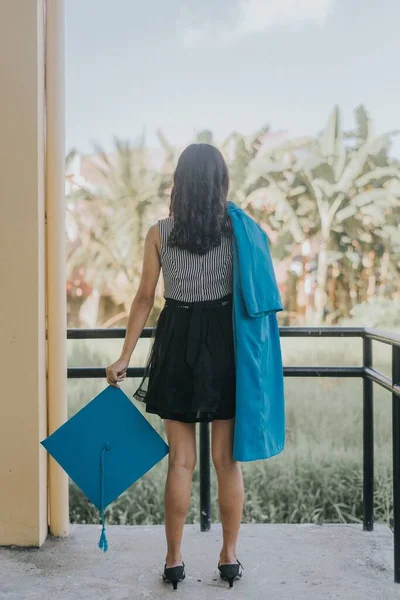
(205, 493)
(396, 461)
(368, 441)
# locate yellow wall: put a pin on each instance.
(23, 463)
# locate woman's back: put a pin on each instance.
(191, 277)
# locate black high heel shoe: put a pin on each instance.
(174, 574)
(231, 572)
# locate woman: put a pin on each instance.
(190, 375)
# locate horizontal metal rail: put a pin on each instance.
(104, 334)
(99, 372)
(331, 332)
(323, 371)
(148, 332)
(382, 380)
(335, 332)
(378, 335)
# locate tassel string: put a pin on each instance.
(103, 542)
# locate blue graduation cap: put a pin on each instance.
(105, 448)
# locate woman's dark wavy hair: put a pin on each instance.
(198, 199)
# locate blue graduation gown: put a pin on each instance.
(260, 410)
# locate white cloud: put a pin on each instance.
(260, 15)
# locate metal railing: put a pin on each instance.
(369, 376)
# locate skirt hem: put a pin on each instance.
(187, 418)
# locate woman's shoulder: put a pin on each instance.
(165, 225)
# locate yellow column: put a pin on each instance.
(56, 255)
(23, 463)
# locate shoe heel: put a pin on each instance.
(174, 575)
(230, 572)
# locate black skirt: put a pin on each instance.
(190, 373)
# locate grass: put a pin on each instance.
(317, 478)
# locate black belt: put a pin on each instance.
(194, 332)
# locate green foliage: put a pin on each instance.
(312, 492)
(340, 190)
(303, 492)
(113, 217)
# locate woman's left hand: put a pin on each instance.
(116, 373)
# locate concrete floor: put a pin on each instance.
(282, 562)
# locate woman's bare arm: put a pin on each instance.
(141, 305)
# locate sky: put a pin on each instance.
(225, 65)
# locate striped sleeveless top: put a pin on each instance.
(190, 277)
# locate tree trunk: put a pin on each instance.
(322, 273)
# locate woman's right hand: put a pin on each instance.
(116, 372)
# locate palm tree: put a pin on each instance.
(113, 216)
(341, 184)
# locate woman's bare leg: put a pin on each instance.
(230, 487)
(181, 462)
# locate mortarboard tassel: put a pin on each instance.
(103, 542)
